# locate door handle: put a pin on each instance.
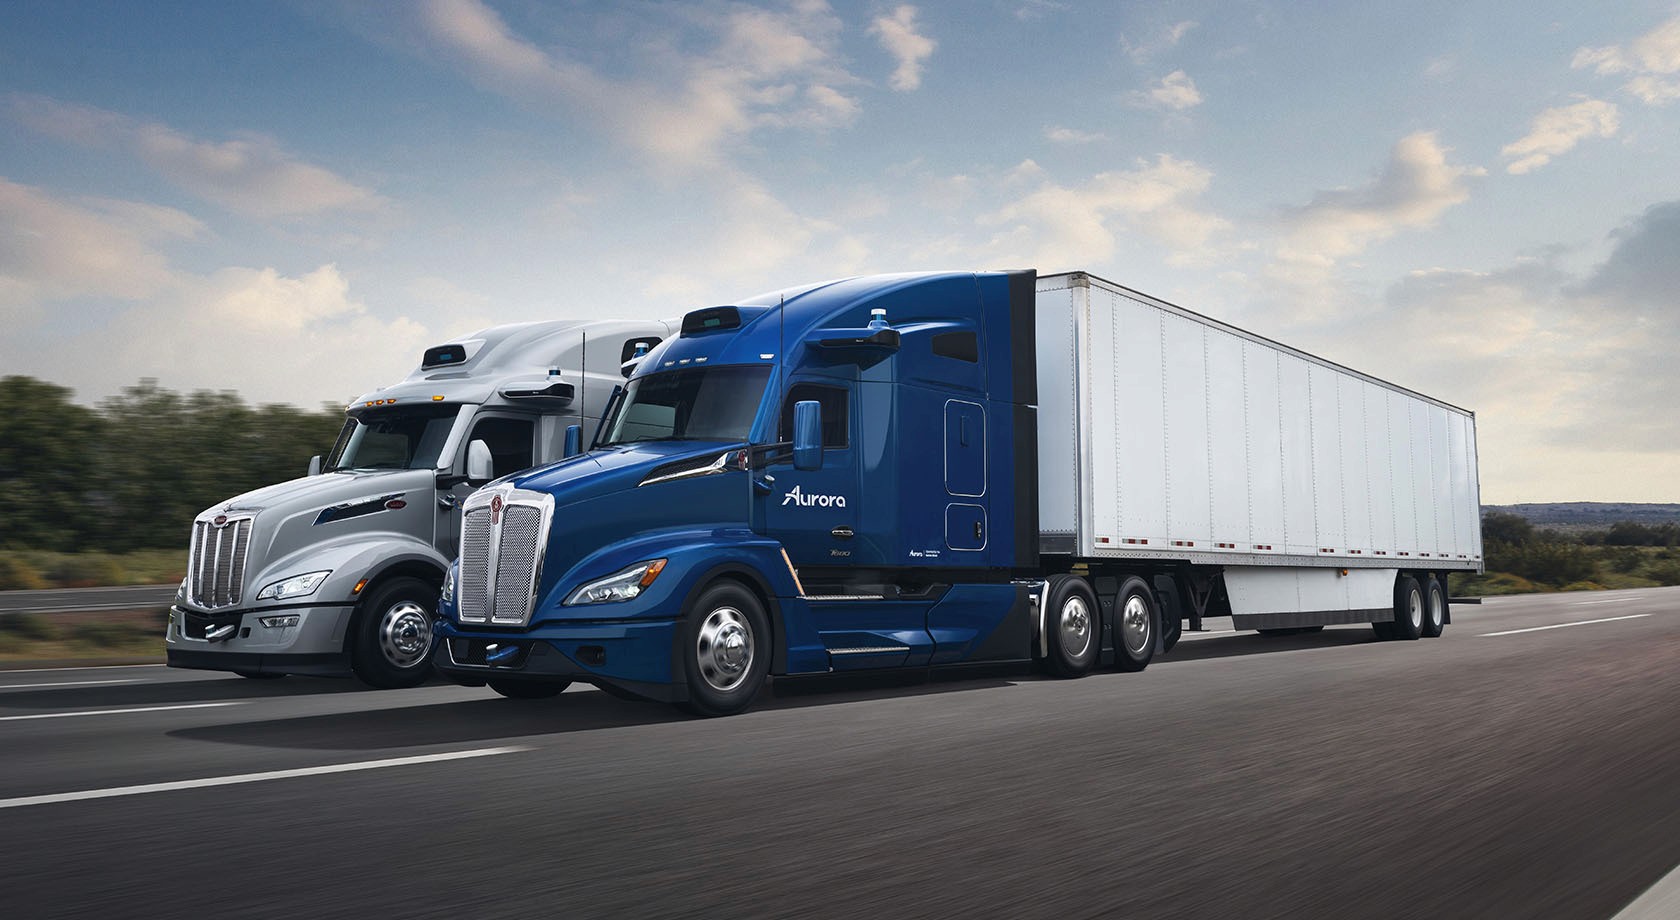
(842, 532)
(977, 531)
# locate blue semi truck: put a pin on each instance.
(906, 471)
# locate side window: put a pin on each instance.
(510, 441)
(964, 346)
(629, 349)
(834, 416)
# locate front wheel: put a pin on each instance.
(726, 650)
(393, 634)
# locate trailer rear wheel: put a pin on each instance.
(1135, 618)
(529, 689)
(1434, 607)
(1073, 630)
(1408, 610)
(726, 650)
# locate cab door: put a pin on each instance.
(814, 513)
(965, 476)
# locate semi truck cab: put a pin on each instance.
(337, 573)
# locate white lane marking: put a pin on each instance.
(236, 779)
(1659, 902)
(115, 712)
(1512, 632)
(68, 683)
(78, 608)
(1206, 634)
(1608, 600)
(81, 667)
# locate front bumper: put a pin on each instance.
(635, 657)
(315, 646)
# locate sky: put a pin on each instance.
(1479, 201)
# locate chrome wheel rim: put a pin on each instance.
(405, 634)
(1414, 608)
(1134, 624)
(724, 649)
(1075, 631)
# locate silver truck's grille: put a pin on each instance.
(216, 562)
(501, 559)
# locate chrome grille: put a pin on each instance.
(502, 561)
(216, 562)
(473, 592)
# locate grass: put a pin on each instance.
(38, 569)
(82, 636)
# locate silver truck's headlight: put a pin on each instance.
(619, 586)
(295, 586)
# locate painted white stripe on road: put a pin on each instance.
(81, 667)
(1608, 600)
(114, 712)
(236, 779)
(1512, 632)
(69, 683)
(1659, 902)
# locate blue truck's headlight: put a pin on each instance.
(295, 586)
(447, 595)
(619, 586)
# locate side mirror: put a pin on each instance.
(807, 435)
(574, 441)
(480, 468)
(314, 465)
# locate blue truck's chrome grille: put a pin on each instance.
(503, 535)
(216, 562)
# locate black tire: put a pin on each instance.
(1408, 610)
(1434, 608)
(1072, 627)
(391, 644)
(529, 689)
(726, 650)
(259, 675)
(1136, 617)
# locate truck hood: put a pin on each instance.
(326, 490)
(614, 469)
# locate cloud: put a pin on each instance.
(52, 250)
(1029, 10)
(1142, 51)
(760, 68)
(898, 35)
(1060, 135)
(1074, 226)
(1414, 188)
(1654, 59)
(1557, 130)
(1174, 92)
(250, 175)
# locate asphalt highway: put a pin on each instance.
(1526, 764)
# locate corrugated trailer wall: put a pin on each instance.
(1164, 434)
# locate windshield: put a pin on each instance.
(409, 438)
(691, 404)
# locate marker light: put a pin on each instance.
(281, 622)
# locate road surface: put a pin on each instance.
(1527, 764)
(67, 600)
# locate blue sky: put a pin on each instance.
(1477, 200)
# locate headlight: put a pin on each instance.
(619, 586)
(447, 595)
(295, 586)
(181, 592)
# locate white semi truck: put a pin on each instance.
(338, 573)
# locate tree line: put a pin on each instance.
(132, 472)
(1522, 557)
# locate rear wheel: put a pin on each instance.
(529, 689)
(1073, 630)
(726, 652)
(1135, 619)
(1434, 607)
(393, 641)
(1408, 610)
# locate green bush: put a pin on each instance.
(1582, 586)
(17, 574)
(31, 627)
(104, 635)
(87, 570)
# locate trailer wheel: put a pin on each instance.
(1135, 618)
(1434, 608)
(528, 689)
(726, 650)
(1073, 629)
(1408, 610)
(393, 634)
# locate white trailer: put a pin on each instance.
(1281, 488)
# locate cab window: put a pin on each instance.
(834, 415)
(510, 441)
